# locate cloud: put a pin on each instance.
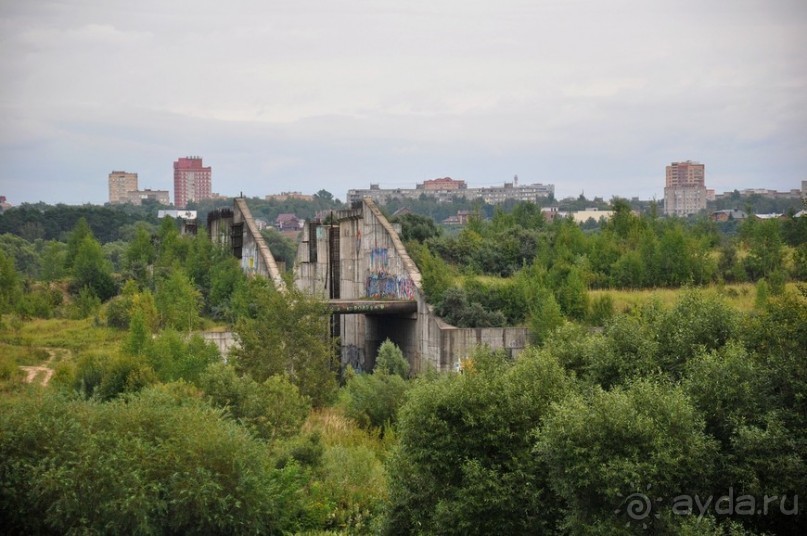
(583, 93)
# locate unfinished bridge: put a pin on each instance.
(356, 261)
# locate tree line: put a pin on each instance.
(524, 259)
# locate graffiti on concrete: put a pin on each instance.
(381, 285)
(379, 259)
(353, 356)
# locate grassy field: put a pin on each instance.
(47, 342)
(61, 333)
(740, 296)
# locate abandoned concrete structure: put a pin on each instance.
(356, 260)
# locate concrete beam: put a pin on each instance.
(373, 307)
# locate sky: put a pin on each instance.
(593, 96)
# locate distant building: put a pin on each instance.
(446, 189)
(795, 193)
(120, 184)
(582, 216)
(184, 214)
(729, 214)
(550, 213)
(138, 196)
(4, 205)
(288, 222)
(461, 218)
(192, 181)
(446, 184)
(123, 189)
(685, 188)
(285, 196)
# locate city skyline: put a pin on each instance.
(593, 97)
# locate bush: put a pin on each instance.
(372, 400)
(457, 310)
(602, 310)
(175, 357)
(603, 447)
(119, 312)
(154, 463)
(273, 409)
(463, 463)
(390, 360)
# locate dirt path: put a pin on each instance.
(43, 371)
(33, 372)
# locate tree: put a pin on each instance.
(765, 247)
(373, 400)
(463, 464)
(602, 447)
(140, 256)
(178, 302)
(435, 273)
(10, 290)
(283, 249)
(697, 321)
(51, 262)
(173, 357)
(286, 333)
(77, 235)
(92, 270)
(161, 461)
(391, 360)
(416, 227)
(273, 409)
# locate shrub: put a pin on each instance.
(157, 462)
(372, 400)
(273, 409)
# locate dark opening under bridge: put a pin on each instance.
(356, 261)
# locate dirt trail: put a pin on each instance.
(46, 372)
(33, 372)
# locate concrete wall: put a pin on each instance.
(374, 264)
(256, 259)
(224, 341)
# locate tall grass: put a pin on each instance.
(739, 296)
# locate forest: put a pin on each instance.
(685, 415)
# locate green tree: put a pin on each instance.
(140, 256)
(416, 227)
(391, 360)
(80, 231)
(10, 289)
(697, 321)
(138, 338)
(765, 247)
(464, 462)
(173, 357)
(178, 302)
(602, 447)
(373, 400)
(157, 462)
(92, 270)
(51, 262)
(286, 333)
(273, 409)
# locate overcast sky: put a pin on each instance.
(590, 95)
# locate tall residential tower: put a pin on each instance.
(685, 188)
(191, 181)
(120, 184)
